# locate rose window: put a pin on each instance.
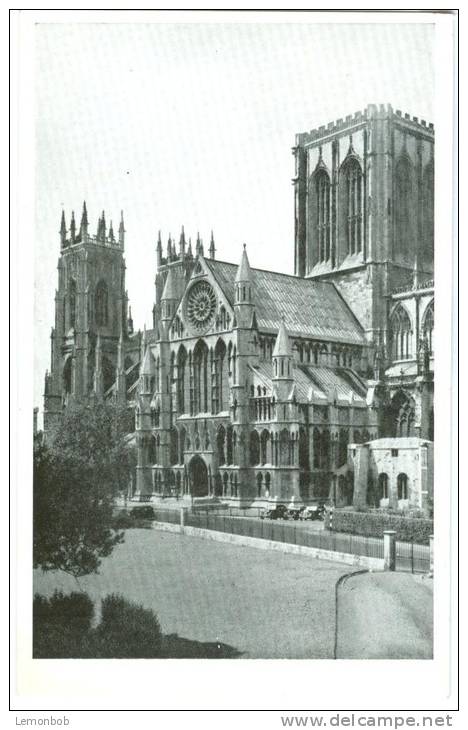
(201, 304)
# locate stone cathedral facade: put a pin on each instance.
(255, 386)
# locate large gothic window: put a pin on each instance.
(229, 445)
(401, 334)
(404, 208)
(200, 377)
(254, 448)
(181, 360)
(351, 200)
(322, 214)
(102, 305)
(219, 378)
(428, 213)
(428, 326)
(72, 303)
(220, 443)
(68, 376)
(173, 449)
(343, 447)
(264, 445)
(108, 374)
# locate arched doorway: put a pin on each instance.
(198, 477)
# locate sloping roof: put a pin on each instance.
(310, 308)
(321, 380)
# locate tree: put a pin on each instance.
(76, 479)
(98, 438)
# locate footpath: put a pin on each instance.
(385, 616)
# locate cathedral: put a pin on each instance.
(254, 386)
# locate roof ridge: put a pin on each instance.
(269, 271)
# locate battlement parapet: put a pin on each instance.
(372, 111)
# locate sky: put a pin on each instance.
(193, 124)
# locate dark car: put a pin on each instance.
(142, 513)
(295, 513)
(278, 512)
(313, 512)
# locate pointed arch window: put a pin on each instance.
(428, 327)
(401, 334)
(352, 182)
(102, 305)
(72, 302)
(402, 486)
(181, 361)
(383, 486)
(428, 212)
(322, 223)
(404, 207)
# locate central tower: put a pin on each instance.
(364, 208)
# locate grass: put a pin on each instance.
(218, 600)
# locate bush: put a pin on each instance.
(128, 630)
(74, 611)
(373, 523)
(61, 624)
(62, 629)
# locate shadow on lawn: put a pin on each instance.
(176, 647)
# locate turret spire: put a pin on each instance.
(199, 247)
(243, 285)
(282, 347)
(169, 248)
(63, 230)
(111, 232)
(130, 322)
(121, 229)
(159, 251)
(103, 226)
(143, 343)
(282, 360)
(84, 223)
(212, 247)
(244, 273)
(182, 243)
(189, 248)
(72, 228)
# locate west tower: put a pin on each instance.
(90, 315)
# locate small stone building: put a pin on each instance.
(393, 472)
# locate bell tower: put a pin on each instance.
(90, 315)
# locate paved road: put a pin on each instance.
(385, 616)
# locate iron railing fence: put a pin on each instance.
(412, 557)
(281, 531)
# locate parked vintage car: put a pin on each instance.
(278, 512)
(313, 512)
(142, 513)
(296, 512)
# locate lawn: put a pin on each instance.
(219, 600)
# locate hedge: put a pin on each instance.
(373, 524)
(62, 628)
